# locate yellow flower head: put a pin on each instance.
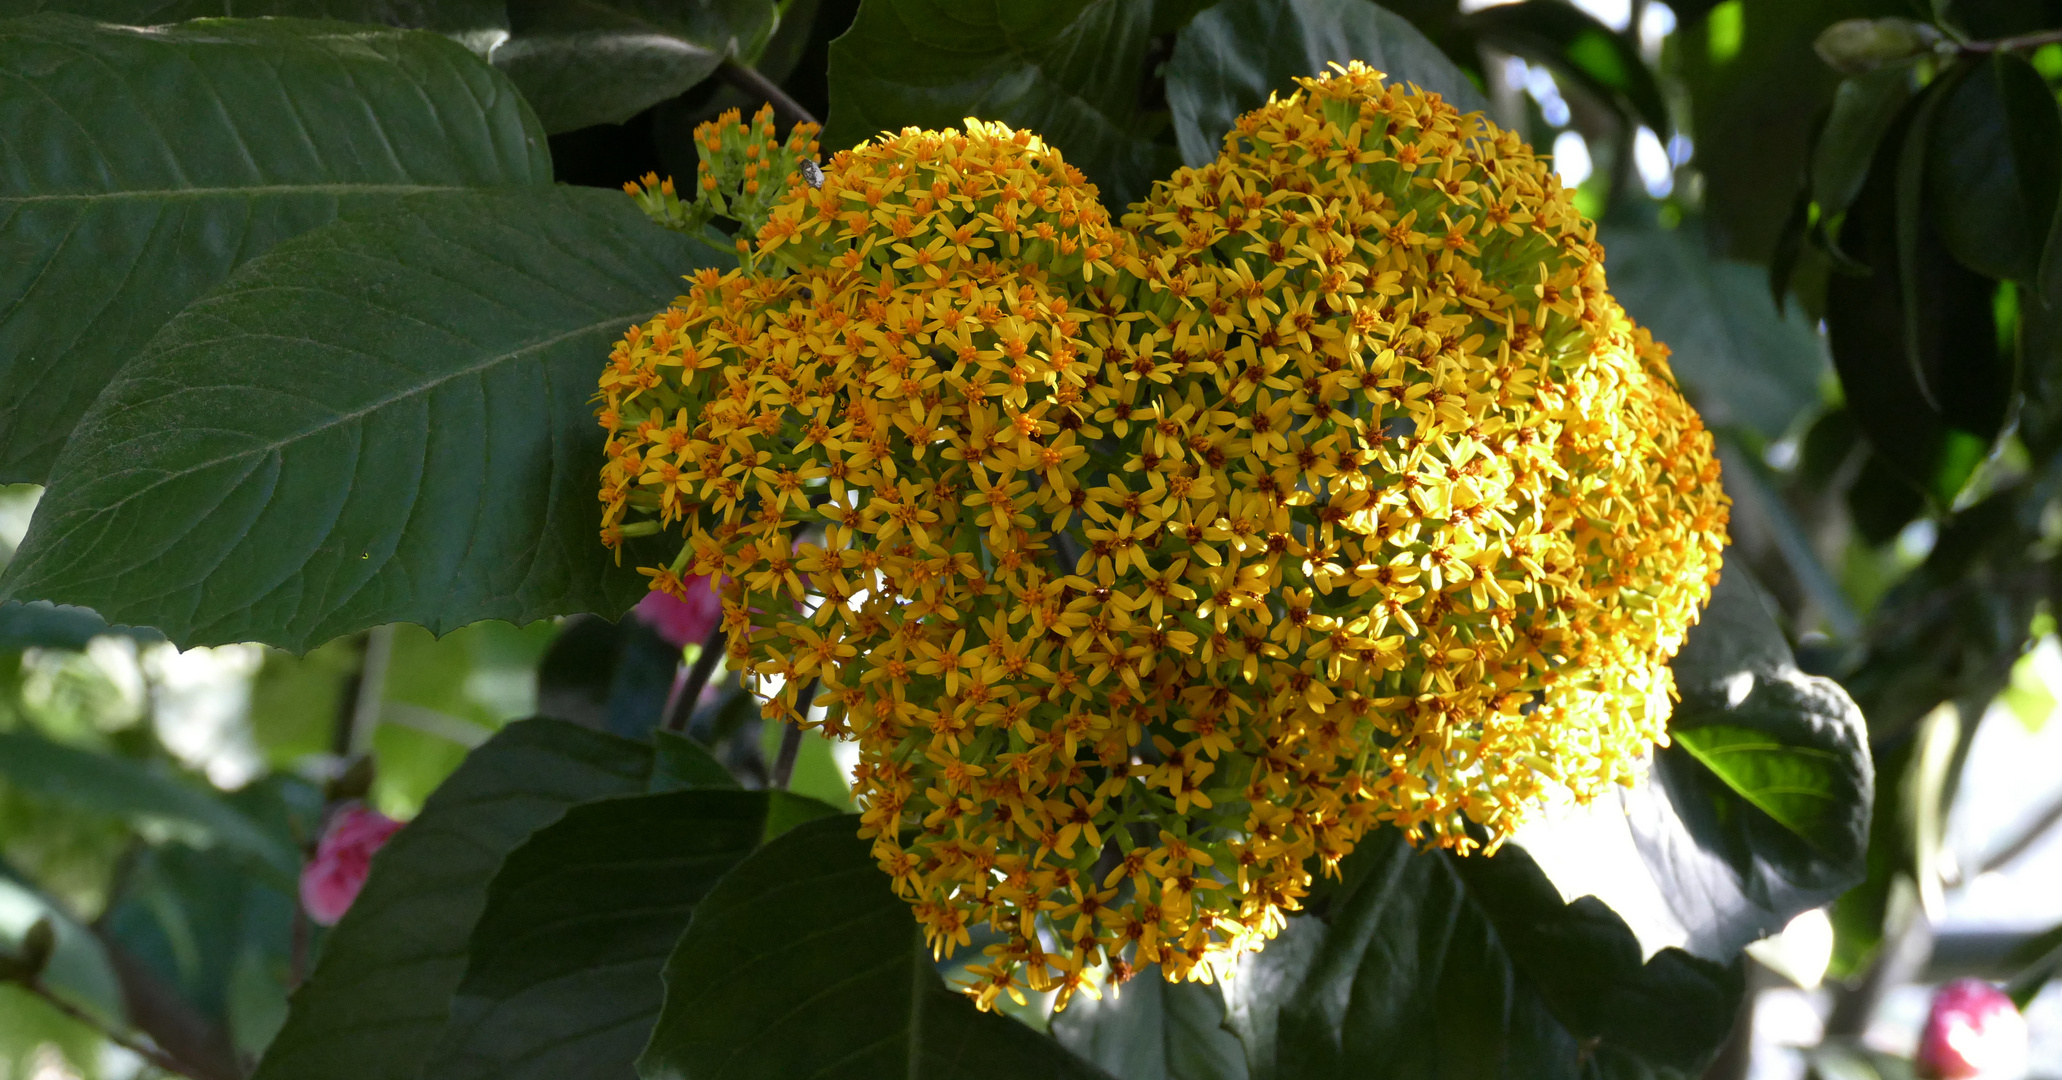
(1148, 564)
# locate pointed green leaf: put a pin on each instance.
(804, 962)
(377, 1002)
(143, 166)
(383, 421)
(1931, 436)
(1993, 164)
(1863, 109)
(1068, 70)
(1232, 55)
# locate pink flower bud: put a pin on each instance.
(1973, 1030)
(682, 622)
(331, 879)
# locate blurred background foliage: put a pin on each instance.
(1847, 241)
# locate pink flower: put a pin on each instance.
(682, 622)
(1972, 1031)
(331, 879)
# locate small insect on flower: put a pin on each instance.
(812, 174)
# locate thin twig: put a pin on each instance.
(2025, 840)
(2013, 44)
(149, 1053)
(752, 83)
(790, 743)
(682, 711)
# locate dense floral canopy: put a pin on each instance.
(1146, 560)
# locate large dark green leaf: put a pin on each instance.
(1760, 808)
(1747, 363)
(1151, 1029)
(1993, 162)
(143, 166)
(477, 24)
(1573, 42)
(377, 1002)
(563, 976)
(1932, 435)
(1427, 966)
(383, 421)
(1231, 56)
(123, 787)
(604, 61)
(1069, 70)
(804, 963)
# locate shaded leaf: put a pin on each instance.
(562, 976)
(1745, 362)
(1933, 445)
(809, 927)
(1430, 965)
(684, 764)
(1993, 160)
(1574, 43)
(1760, 808)
(190, 917)
(1232, 55)
(136, 180)
(1880, 503)
(476, 24)
(1952, 628)
(1068, 70)
(377, 1002)
(1151, 1029)
(604, 61)
(1755, 90)
(383, 421)
(52, 626)
(130, 789)
(77, 968)
(1863, 108)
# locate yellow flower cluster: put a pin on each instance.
(1148, 563)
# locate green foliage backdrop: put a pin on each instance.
(298, 335)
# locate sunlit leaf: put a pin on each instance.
(382, 421)
(143, 167)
